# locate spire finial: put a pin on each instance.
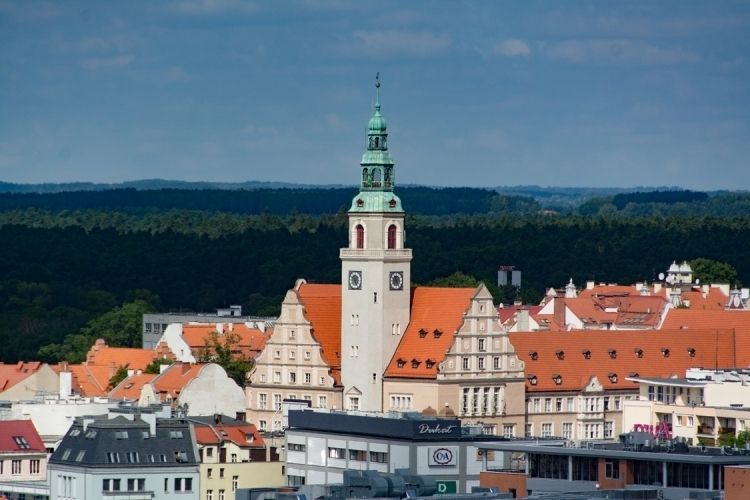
(377, 91)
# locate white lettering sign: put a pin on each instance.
(436, 429)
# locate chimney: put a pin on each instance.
(66, 383)
(559, 313)
(523, 320)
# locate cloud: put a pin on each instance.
(616, 51)
(512, 48)
(107, 62)
(397, 41)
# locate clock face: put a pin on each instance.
(397, 280)
(355, 280)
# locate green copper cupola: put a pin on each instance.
(378, 176)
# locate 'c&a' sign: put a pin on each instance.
(442, 455)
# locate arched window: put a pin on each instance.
(360, 236)
(392, 236)
(376, 173)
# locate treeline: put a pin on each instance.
(59, 271)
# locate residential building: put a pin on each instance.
(190, 342)
(705, 406)
(321, 445)
(23, 461)
(27, 380)
(233, 455)
(132, 455)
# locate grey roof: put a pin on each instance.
(123, 443)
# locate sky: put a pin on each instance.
(476, 93)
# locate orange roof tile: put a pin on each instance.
(432, 309)
(175, 378)
(130, 388)
(218, 433)
(713, 300)
(711, 348)
(251, 340)
(626, 308)
(10, 375)
(101, 354)
(322, 305)
(90, 381)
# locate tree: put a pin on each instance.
(225, 352)
(155, 366)
(120, 375)
(712, 271)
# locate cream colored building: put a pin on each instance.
(300, 359)
(704, 406)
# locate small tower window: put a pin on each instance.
(360, 236)
(391, 236)
(377, 142)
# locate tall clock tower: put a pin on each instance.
(375, 275)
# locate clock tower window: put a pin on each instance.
(360, 236)
(391, 236)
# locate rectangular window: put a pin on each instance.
(292, 355)
(612, 468)
(277, 402)
(296, 447)
(15, 467)
(509, 431)
(210, 452)
(558, 405)
(475, 401)
(606, 403)
(465, 362)
(536, 405)
(336, 453)
(276, 377)
(496, 363)
(480, 345)
(651, 393)
(570, 405)
(529, 430)
(380, 457)
(235, 482)
(209, 473)
(617, 403)
(234, 458)
(308, 378)
(322, 402)
(480, 362)
(353, 403)
(547, 430)
(292, 378)
(221, 494)
(262, 425)
(221, 472)
(322, 381)
(547, 405)
(209, 494)
(35, 466)
(609, 430)
(358, 455)
(567, 430)
(465, 402)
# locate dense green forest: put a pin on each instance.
(61, 271)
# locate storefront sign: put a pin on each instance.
(446, 487)
(659, 431)
(437, 429)
(441, 456)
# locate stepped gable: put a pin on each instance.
(19, 436)
(611, 356)
(693, 321)
(322, 305)
(432, 308)
(130, 388)
(174, 379)
(251, 340)
(10, 375)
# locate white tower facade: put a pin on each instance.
(375, 276)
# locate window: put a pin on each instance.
(391, 237)
(262, 425)
(547, 405)
(606, 403)
(358, 455)
(307, 354)
(475, 401)
(308, 378)
(175, 434)
(277, 402)
(570, 405)
(496, 363)
(221, 472)
(558, 405)
(15, 467)
(380, 457)
(292, 378)
(209, 473)
(277, 354)
(612, 468)
(296, 447)
(292, 355)
(536, 405)
(481, 345)
(322, 402)
(360, 230)
(35, 466)
(465, 363)
(322, 381)
(209, 494)
(529, 430)
(221, 494)
(132, 457)
(21, 442)
(276, 377)
(509, 431)
(210, 452)
(336, 453)
(547, 430)
(235, 482)
(137, 484)
(480, 364)
(617, 403)
(353, 403)
(234, 458)
(183, 484)
(567, 430)
(609, 430)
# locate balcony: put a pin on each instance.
(401, 254)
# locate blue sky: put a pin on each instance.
(475, 93)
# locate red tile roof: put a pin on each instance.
(509, 312)
(12, 429)
(322, 305)
(620, 308)
(10, 375)
(421, 349)
(237, 434)
(130, 388)
(690, 321)
(251, 340)
(174, 379)
(711, 348)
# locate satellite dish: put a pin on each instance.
(661, 276)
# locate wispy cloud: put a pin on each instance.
(616, 51)
(399, 41)
(97, 63)
(512, 48)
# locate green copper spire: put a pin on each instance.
(378, 179)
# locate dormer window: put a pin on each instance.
(400, 362)
(415, 363)
(633, 374)
(612, 353)
(429, 363)
(392, 203)
(422, 333)
(665, 352)
(437, 333)
(557, 378)
(560, 354)
(360, 202)
(691, 351)
(586, 353)
(638, 352)
(612, 377)
(532, 379)
(534, 355)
